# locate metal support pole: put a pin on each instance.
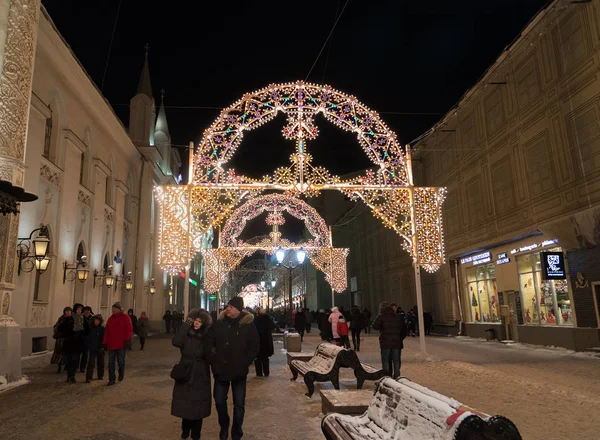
(420, 308)
(186, 292)
(290, 270)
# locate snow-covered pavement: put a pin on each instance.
(549, 394)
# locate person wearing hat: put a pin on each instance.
(117, 334)
(234, 343)
(94, 338)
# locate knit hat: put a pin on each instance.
(237, 302)
(117, 305)
(99, 317)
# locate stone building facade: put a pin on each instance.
(95, 179)
(520, 157)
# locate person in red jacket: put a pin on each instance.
(342, 329)
(117, 334)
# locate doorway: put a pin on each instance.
(511, 297)
(596, 293)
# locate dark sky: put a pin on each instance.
(395, 56)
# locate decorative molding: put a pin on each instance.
(5, 304)
(50, 173)
(109, 214)
(85, 197)
(16, 76)
(38, 315)
(98, 163)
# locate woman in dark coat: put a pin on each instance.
(58, 357)
(356, 326)
(300, 323)
(265, 328)
(192, 399)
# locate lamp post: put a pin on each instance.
(263, 284)
(32, 252)
(78, 270)
(300, 256)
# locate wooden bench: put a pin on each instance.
(363, 371)
(324, 366)
(405, 410)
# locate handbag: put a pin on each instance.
(181, 372)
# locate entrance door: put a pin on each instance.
(512, 303)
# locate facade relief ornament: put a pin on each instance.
(109, 215)
(5, 303)
(84, 198)
(38, 315)
(581, 282)
(50, 175)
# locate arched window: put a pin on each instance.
(104, 296)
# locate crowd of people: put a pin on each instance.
(82, 341)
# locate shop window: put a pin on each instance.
(483, 295)
(545, 302)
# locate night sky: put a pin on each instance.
(396, 56)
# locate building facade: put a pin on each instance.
(95, 181)
(520, 157)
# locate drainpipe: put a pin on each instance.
(137, 231)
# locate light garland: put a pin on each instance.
(187, 212)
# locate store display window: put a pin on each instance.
(545, 302)
(482, 291)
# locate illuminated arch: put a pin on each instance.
(275, 203)
(301, 102)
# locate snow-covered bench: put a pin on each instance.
(324, 366)
(404, 410)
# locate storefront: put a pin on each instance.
(529, 277)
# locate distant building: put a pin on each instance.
(95, 183)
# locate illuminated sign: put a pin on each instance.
(534, 246)
(553, 266)
(485, 257)
(212, 297)
(503, 260)
(193, 282)
(502, 255)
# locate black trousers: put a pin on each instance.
(84, 360)
(356, 338)
(96, 358)
(262, 366)
(142, 342)
(72, 363)
(344, 341)
(191, 427)
(168, 326)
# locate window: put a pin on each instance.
(502, 185)
(539, 169)
(48, 137)
(81, 168)
(483, 295)
(474, 200)
(545, 302)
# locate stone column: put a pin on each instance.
(18, 30)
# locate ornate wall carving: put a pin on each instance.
(109, 215)
(38, 315)
(16, 76)
(50, 175)
(84, 198)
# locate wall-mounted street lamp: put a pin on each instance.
(76, 270)
(151, 287)
(32, 252)
(105, 277)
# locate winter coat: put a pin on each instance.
(333, 320)
(167, 317)
(118, 330)
(300, 321)
(234, 344)
(143, 326)
(94, 337)
(358, 320)
(72, 340)
(392, 329)
(265, 327)
(342, 328)
(427, 319)
(134, 323)
(192, 399)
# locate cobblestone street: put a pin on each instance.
(514, 381)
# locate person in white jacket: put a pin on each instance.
(333, 319)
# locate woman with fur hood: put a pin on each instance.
(192, 398)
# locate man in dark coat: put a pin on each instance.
(392, 332)
(167, 318)
(265, 327)
(88, 321)
(356, 326)
(234, 344)
(192, 398)
(300, 323)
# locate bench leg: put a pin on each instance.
(360, 381)
(294, 374)
(335, 380)
(310, 384)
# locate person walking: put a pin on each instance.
(143, 326)
(88, 321)
(342, 329)
(333, 320)
(300, 323)
(234, 344)
(309, 319)
(264, 327)
(72, 329)
(167, 317)
(392, 333)
(117, 335)
(427, 322)
(94, 339)
(367, 315)
(356, 326)
(58, 356)
(191, 394)
(133, 324)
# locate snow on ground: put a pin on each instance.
(4, 386)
